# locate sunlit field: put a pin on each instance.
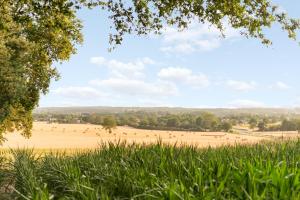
(83, 161)
(84, 136)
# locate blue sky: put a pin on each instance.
(194, 68)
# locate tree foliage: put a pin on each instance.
(142, 17)
(36, 34)
(109, 123)
(253, 122)
(33, 36)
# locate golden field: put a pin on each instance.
(86, 136)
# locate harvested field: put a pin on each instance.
(82, 136)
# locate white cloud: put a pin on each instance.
(241, 85)
(137, 87)
(174, 74)
(126, 79)
(98, 60)
(133, 69)
(280, 86)
(198, 37)
(245, 103)
(183, 47)
(79, 92)
(184, 75)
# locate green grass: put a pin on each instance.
(265, 171)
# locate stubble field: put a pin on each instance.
(83, 136)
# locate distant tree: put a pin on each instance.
(253, 123)
(109, 123)
(186, 124)
(152, 121)
(289, 125)
(173, 121)
(297, 121)
(199, 121)
(262, 126)
(266, 120)
(133, 121)
(144, 122)
(209, 121)
(123, 120)
(226, 126)
(94, 119)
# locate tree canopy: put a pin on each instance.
(109, 123)
(36, 34)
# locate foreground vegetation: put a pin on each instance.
(265, 171)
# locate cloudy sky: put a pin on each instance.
(194, 68)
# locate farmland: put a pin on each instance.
(82, 136)
(85, 161)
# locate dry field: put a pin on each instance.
(79, 136)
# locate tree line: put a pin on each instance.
(273, 124)
(142, 120)
(199, 121)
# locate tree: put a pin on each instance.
(133, 121)
(199, 121)
(262, 126)
(253, 123)
(35, 34)
(226, 126)
(297, 121)
(109, 123)
(152, 121)
(172, 121)
(144, 122)
(123, 120)
(290, 125)
(209, 121)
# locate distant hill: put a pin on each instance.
(171, 110)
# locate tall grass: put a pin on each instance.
(5, 176)
(3, 168)
(265, 171)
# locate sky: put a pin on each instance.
(195, 68)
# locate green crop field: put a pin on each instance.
(120, 171)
